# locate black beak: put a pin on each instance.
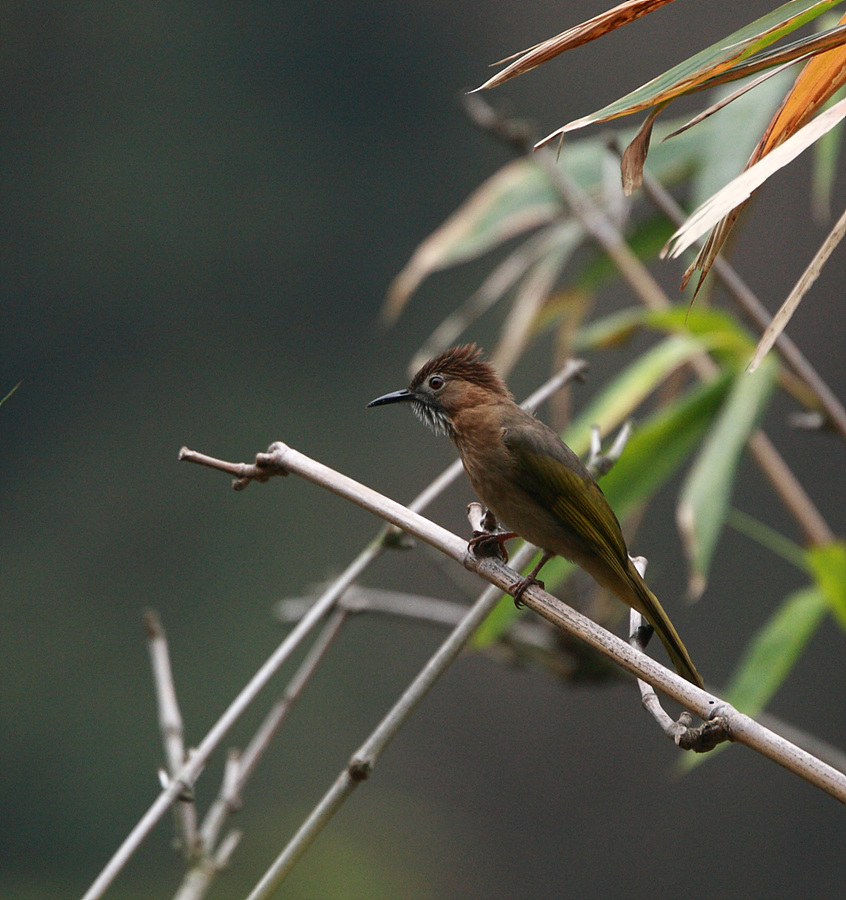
(394, 397)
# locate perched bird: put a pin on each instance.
(532, 481)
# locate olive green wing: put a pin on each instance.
(556, 477)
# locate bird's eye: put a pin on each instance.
(436, 382)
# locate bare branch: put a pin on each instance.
(364, 759)
(573, 369)
(700, 739)
(170, 724)
(794, 298)
(720, 715)
(240, 766)
(704, 704)
(186, 776)
(601, 463)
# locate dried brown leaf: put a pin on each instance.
(820, 78)
(574, 37)
(634, 156)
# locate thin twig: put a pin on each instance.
(194, 765)
(185, 777)
(681, 732)
(171, 727)
(802, 286)
(364, 759)
(360, 599)
(240, 766)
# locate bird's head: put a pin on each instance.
(456, 380)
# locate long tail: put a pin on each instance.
(654, 613)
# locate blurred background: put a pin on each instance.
(202, 207)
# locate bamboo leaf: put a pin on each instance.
(739, 189)
(825, 169)
(767, 537)
(704, 499)
(629, 389)
(828, 565)
(774, 650)
(515, 199)
(573, 37)
(820, 79)
(769, 658)
(660, 445)
(714, 60)
(728, 141)
(12, 391)
(716, 330)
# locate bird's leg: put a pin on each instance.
(487, 539)
(520, 586)
(490, 543)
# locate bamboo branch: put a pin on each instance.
(170, 724)
(364, 759)
(185, 777)
(574, 369)
(283, 460)
(240, 766)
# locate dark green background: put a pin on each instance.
(201, 207)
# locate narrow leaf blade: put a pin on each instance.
(828, 565)
(689, 74)
(774, 650)
(580, 34)
(515, 199)
(740, 189)
(704, 500)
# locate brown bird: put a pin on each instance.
(532, 481)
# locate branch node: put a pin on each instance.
(359, 769)
(705, 737)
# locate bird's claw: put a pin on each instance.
(487, 543)
(520, 586)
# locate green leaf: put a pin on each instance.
(728, 141)
(515, 199)
(619, 400)
(828, 565)
(660, 446)
(770, 657)
(768, 537)
(825, 165)
(704, 499)
(687, 75)
(10, 393)
(773, 651)
(716, 330)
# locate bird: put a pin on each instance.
(532, 482)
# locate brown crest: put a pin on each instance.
(464, 362)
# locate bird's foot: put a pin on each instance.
(490, 543)
(520, 586)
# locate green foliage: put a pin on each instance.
(704, 500)
(827, 563)
(774, 650)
